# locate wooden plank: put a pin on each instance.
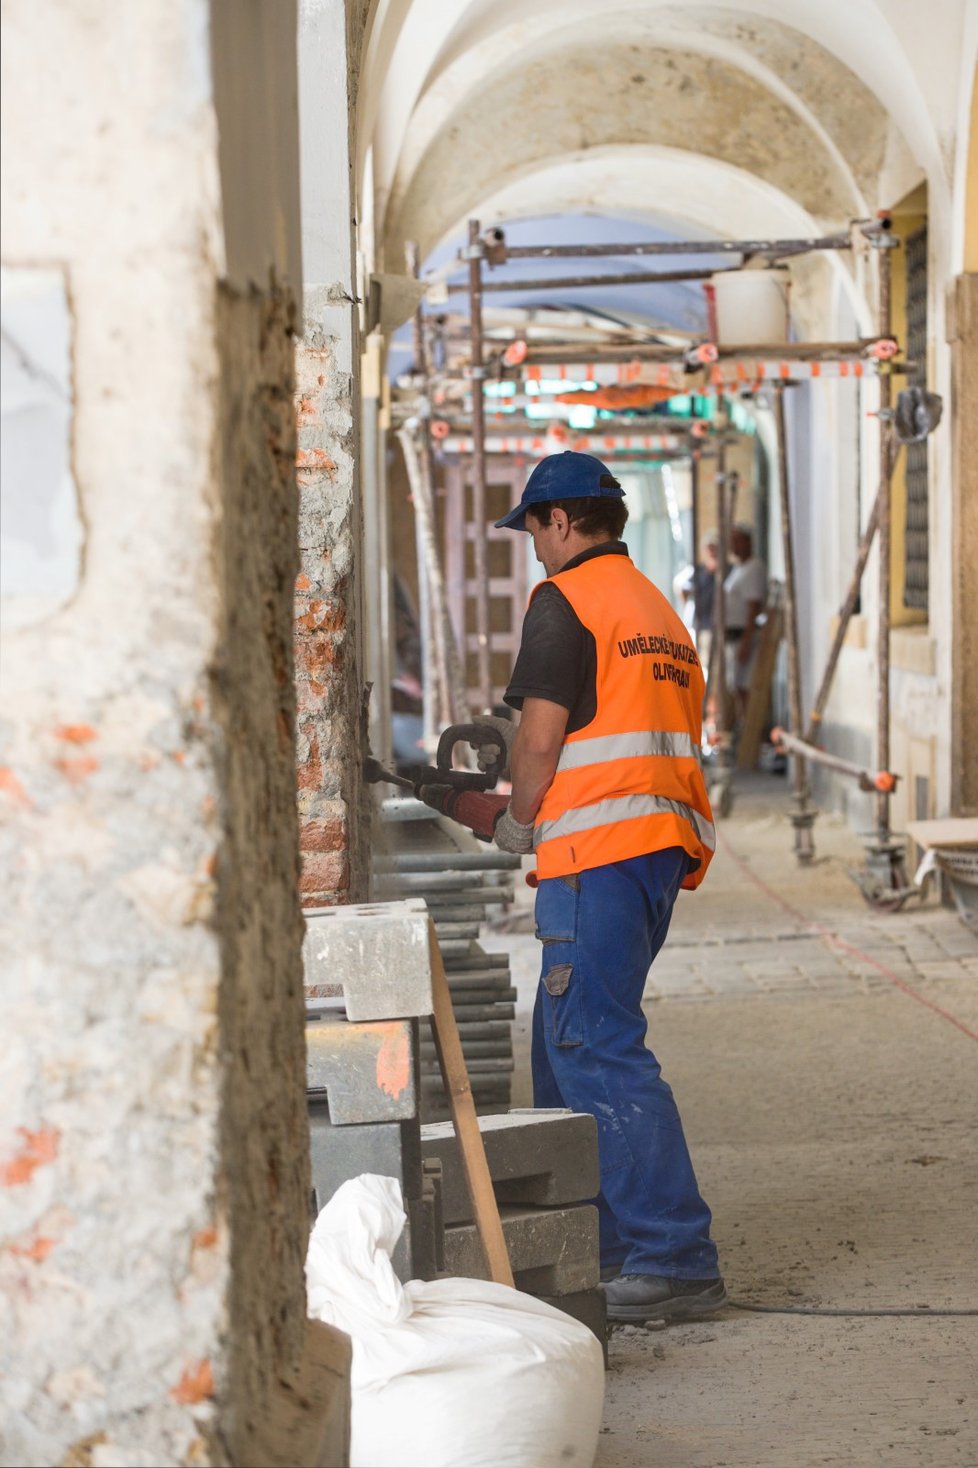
(950, 831)
(485, 1210)
(759, 697)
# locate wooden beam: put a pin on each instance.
(448, 1045)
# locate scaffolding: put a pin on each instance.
(676, 362)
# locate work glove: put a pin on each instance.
(485, 753)
(512, 835)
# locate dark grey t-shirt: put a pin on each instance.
(558, 659)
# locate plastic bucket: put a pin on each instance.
(752, 307)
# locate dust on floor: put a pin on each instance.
(824, 1059)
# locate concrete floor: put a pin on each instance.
(831, 1102)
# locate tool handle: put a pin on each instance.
(478, 811)
(472, 808)
(478, 735)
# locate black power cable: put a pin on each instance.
(921, 1311)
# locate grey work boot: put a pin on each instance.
(632, 1299)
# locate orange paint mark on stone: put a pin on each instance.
(394, 1061)
(39, 1148)
(302, 582)
(195, 1385)
(11, 787)
(79, 769)
(205, 1238)
(76, 733)
(179, 756)
(38, 1249)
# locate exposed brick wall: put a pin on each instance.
(331, 699)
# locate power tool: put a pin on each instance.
(460, 794)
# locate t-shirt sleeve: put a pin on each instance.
(754, 584)
(550, 663)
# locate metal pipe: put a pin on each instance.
(883, 780)
(885, 512)
(719, 658)
(448, 669)
(428, 717)
(456, 861)
(681, 247)
(645, 351)
(577, 282)
(801, 817)
(479, 541)
(773, 248)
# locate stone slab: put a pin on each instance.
(392, 1149)
(544, 1158)
(553, 1251)
(374, 955)
(368, 1072)
(339, 1153)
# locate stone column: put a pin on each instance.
(962, 317)
(153, 1144)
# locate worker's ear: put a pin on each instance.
(560, 521)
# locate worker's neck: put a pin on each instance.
(576, 544)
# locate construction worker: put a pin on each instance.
(607, 790)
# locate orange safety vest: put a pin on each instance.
(629, 782)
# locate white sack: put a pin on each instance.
(452, 1373)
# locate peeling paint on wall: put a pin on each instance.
(41, 545)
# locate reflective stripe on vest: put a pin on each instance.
(578, 753)
(624, 808)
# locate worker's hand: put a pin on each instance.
(512, 835)
(487, 752)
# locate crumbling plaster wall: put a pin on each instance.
(334, 809)
(152, 1141)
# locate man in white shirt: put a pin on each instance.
(745, 592)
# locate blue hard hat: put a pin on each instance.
(566, 476)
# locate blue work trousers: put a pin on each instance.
(601, 931)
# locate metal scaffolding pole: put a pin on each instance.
(802, 815)
(773, 249)
(447, 667)
(885, 517)
(681, 247)
(579, 282)
(480, 555)
(721, 791)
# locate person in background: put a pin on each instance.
(697, 587)
(745, 593)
